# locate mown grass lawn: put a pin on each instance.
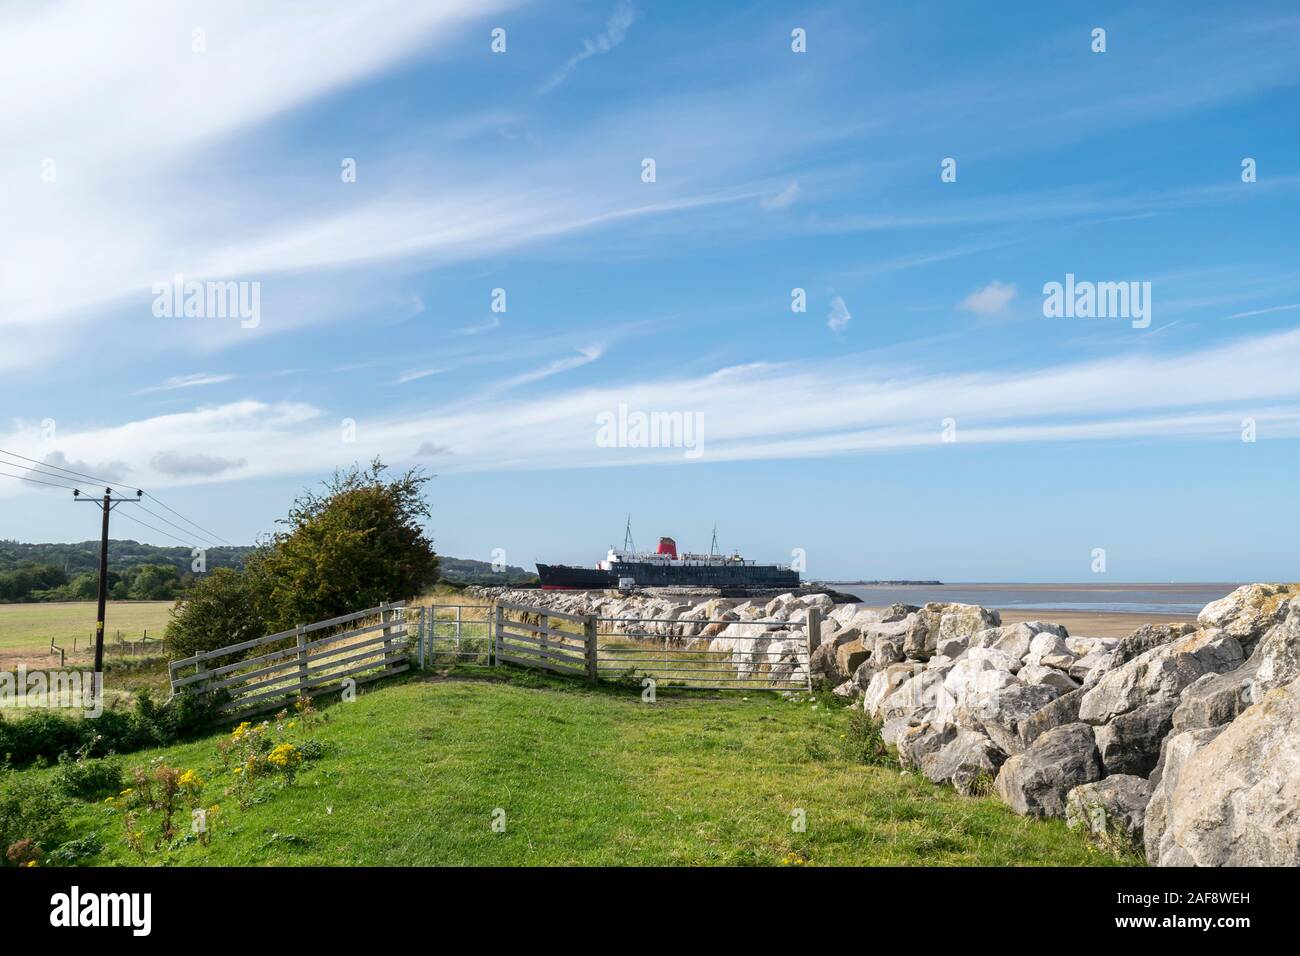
(29, 627)
(413, 772)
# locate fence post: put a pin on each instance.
(301, 637)
(545, 621)
(419, 636)
(498, 626)
(814, 627)
(386, 618)
(589, 635)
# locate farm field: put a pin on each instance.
(29, 627)
(412, 773)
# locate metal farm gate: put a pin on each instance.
(705, 654)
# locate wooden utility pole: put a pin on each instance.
(107, 504)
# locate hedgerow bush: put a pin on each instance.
(356, 544)
(33, 817)
(87, 777)
(48, 735)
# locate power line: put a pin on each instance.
(42, 464)
(210, 534)
(123, 514)
(176, 526)
(38, 481)
(213, 537)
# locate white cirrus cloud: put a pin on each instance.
(993, 299)
(186, 381)
(840, 317)
(782, 200)
(615, 32)
(854, 404)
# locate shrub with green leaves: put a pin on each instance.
(223, 607)
(31, 809)
(87, 777)
(863, 742)
(48, 735)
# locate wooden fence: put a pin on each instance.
(570, 651)
(596, 648)
(376, 645)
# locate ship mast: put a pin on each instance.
(628, 544)
(713, 548)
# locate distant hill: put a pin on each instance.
(70, 572)
(465, 571)
(74, 559)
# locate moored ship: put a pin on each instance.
(664, 567)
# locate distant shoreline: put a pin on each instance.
(1066, 586)
(888, 584)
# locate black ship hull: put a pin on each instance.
(565, 577)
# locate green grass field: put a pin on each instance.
(29, 627)
(413, 771)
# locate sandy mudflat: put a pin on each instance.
(1093, 623)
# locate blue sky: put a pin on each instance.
(130, 157)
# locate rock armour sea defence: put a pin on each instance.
(1180, 741)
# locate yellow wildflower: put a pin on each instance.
(190, 779)
(284, 755)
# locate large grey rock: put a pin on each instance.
(1235, 800)
(1014, 640)
(1049, 650)
(970, 675)
(1148, 636)
(966, 759)
(1063, 710)
(850, 654)
(995, 656)
(884, 683)
(1278, 654)
(886, 651)
(1130, 743)
(1215, 699)
(1160, 674)
(1160, 848)
(952, 647)
(921, 691)
(920, 742)
(824, 664)
(1248, 612)
(1036, 782)
(897, 612)
(1092, 666)
(862, 676)
(998, 713)
(892, 730)
(936, 621)
(1040, 674)
(1113, 810)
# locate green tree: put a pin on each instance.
(355, 545)
(155, 582)
(223, 607)
(358, 543)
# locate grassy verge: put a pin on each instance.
(29, 627)
(412, 773)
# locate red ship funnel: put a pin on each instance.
(667, 546)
